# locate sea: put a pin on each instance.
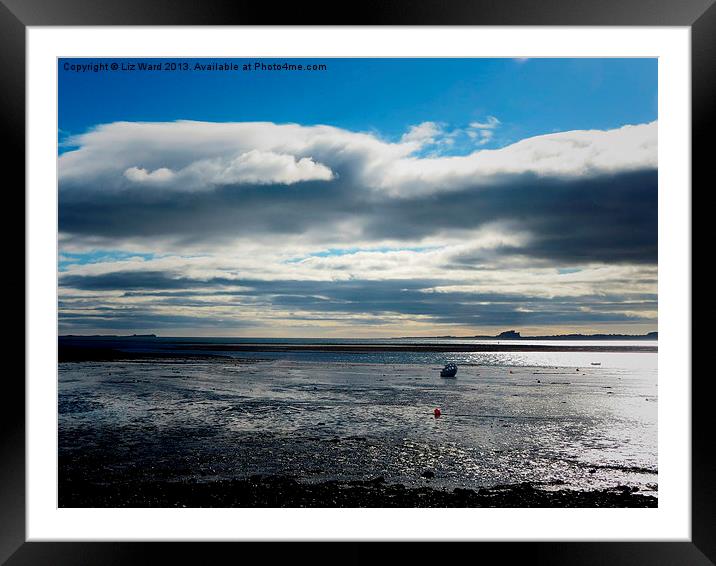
(567, 419)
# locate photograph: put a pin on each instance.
(357, 282)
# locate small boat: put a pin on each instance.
(596, 363)
(450, 370)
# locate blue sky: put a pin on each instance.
(378, 197)
(531, 97)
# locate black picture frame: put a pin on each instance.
(16, 15)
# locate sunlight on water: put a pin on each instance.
(508, 417)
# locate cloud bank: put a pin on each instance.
(355, 227)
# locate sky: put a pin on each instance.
(368, 197)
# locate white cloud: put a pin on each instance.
(496, 276)
(252, 167)
(267, 167)
(490, 124)
(110, 149)
(395, 214)
(141, 175)
(572, 154)
(200, 155)
(482, 132)
(480, 137)
(422, 134)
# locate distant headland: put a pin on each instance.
(506, 335)
(108, 336)
(515, 335)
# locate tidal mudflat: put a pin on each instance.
(516, 430)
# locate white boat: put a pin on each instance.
(450, 370)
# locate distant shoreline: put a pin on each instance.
(585, 337)
(411, 348)
(651, 336)
(78, 353)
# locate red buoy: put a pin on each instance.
(437, 413)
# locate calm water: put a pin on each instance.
(508, 417)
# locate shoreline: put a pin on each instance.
(203, 430)
(67, 354)
(72, 353)
(287, 492)
(410, 348)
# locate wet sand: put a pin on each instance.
(208, 431)
(280, 491)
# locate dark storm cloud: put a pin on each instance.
(222, 214)
(608, 218)
(126, 280)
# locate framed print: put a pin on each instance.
(423, 278)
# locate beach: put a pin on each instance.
(257, 293)
(220, 427)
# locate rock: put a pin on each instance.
(427, 474)
(626, 489)
(509, 334)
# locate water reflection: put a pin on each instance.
(506, 418)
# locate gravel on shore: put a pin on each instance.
(281, 491)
